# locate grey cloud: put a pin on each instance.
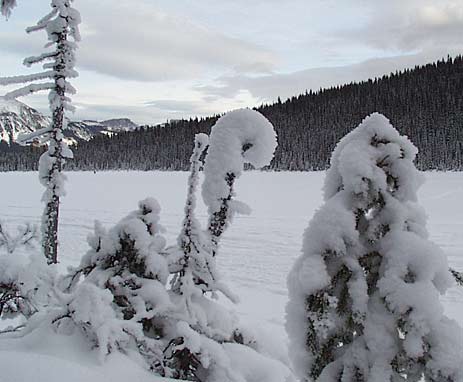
(268, 88)
(410, 26)
(142, 43)
(174, 106)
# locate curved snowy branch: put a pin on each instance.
(239, 137)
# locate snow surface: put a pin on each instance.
(256, 255)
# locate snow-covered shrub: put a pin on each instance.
(25, 278)
(61, 26)
(122, 302)
(364, 295)
(25, 237)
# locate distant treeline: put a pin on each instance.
(425, 103)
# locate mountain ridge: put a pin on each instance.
(17, 118)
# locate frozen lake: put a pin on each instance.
(257, 251)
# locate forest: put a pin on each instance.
(424, 103)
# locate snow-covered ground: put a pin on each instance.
(257, 251)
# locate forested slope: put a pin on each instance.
(425, 103)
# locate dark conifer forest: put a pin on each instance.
(425, 103)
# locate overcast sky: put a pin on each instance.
(153, 60)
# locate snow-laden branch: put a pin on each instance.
(29, 61)
(24, 139)
(29, 89)
(25, 236)
(43, 22)
(27, 78)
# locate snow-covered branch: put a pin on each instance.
(24, 139)
(25, 237)
(29, 89)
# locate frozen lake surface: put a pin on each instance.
(257, 251)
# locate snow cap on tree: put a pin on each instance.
(239, 137)
(364, 295)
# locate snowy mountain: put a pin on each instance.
(17, 118)
(119, 124)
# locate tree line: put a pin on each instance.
(424, 103)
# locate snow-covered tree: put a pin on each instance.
(239, 137)
(6, 6)
(196, 351)
(193, 351)
(25, 279)
(364, 295)
(61, 25)
(122, 301)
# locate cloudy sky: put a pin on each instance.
(153, 60)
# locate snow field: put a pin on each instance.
(256, 252)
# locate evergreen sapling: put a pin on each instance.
(364, 295)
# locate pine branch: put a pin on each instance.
(24, 139)
(29, 89)
(458, 276)
(27, 78)
(42, 23)
(26, 235)
(37, 59)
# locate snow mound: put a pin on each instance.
(50, 357)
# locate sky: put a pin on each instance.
(157, 60)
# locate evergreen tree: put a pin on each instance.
(61, 25)
(122, 302)
(196, 352)
(364, 295)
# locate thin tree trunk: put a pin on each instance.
(51, 213)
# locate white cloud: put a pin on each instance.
(269, 88)
(143, 43)
(411, 26)
(169, 59)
